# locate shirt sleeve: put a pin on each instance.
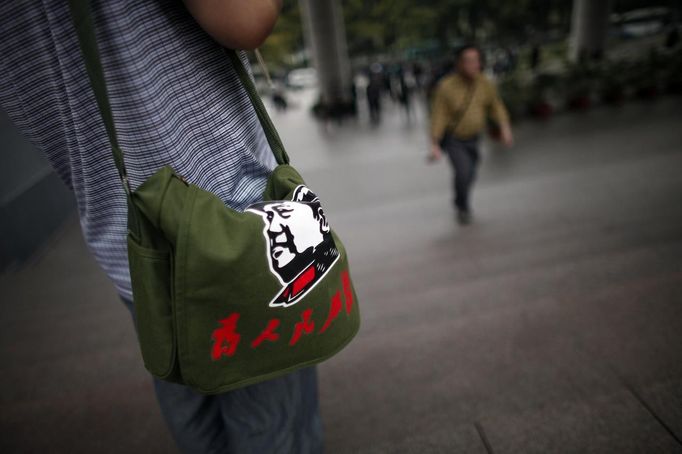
(496, 110)
(440, 113)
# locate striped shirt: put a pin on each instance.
(175, 97)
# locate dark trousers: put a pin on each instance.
(276, 416)
(464, 157)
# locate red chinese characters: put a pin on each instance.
(267, 334)
(304, 326)
(226, 338)
(333, 311)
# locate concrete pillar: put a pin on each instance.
(589, 28)
(325, 36)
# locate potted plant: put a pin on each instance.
(672, 74)
(647, 75)
(539, 105)
(613, 82)
(514, 93)
(579, 82)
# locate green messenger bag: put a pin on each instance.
(224, 298)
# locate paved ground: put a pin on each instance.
(553, 324)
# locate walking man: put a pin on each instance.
(462, 103)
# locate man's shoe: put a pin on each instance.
(464, 217)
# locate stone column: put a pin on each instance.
(325, 35)
(589, 28)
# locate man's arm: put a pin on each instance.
(440, 116)
(498, 112)
(236, 24)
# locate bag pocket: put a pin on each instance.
(151, 272)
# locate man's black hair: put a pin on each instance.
(461, 49)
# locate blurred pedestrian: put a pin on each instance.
(176, 100)
(673, 37)
(461, 105)
(418, 72)
(279, 98)
(373, 91)
(404, 89)
(535, 57)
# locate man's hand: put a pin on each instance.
(435, 154)
(236, 24)
(506, 136)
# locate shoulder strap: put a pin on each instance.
(465, 107)
(270, 132)
(83, 22)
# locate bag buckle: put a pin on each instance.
(126, 184)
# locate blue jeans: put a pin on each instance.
(464, 158)
(277, 416)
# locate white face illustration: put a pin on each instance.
(293, 228)
(295, 231)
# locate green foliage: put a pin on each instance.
(515, 93)
(580, 79)
(378, 26)
(286, 38)
(388, 26)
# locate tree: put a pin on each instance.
(380, 26)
